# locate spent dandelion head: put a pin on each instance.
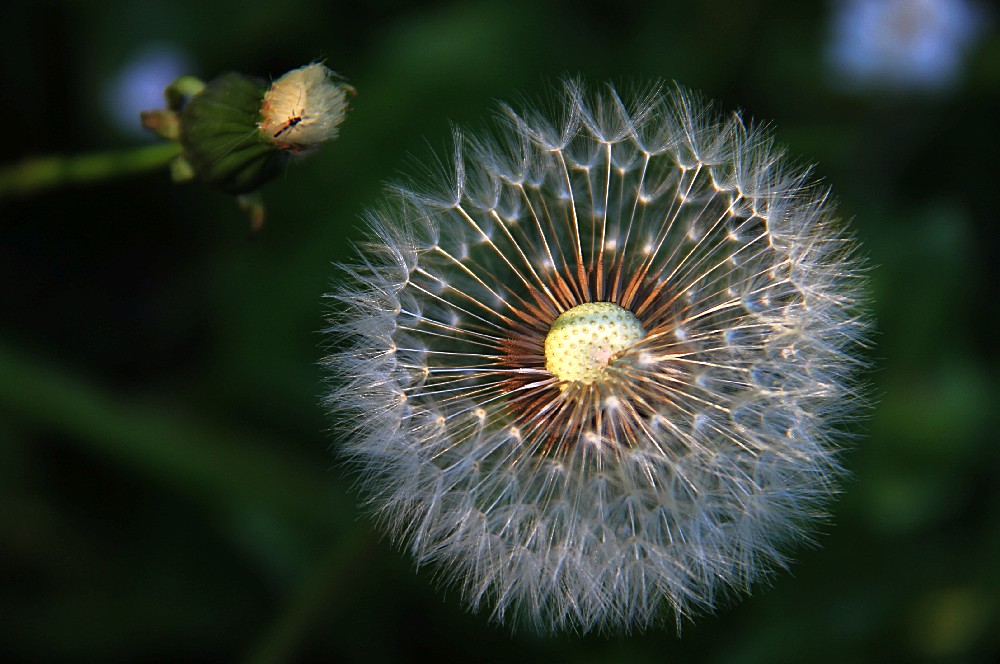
(596, 377)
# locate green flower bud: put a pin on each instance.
(220, 136)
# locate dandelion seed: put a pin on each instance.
(584, 434)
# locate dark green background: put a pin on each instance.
(168, 491)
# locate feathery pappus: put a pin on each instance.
(597, 374)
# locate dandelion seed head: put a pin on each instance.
(596, 377)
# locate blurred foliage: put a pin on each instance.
(167, 483)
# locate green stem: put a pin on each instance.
(40, 173)
(219, 468)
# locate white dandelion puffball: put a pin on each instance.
(595, 375)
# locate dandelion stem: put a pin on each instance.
(38, 174)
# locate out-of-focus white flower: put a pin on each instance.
(596, 372)
(140, 83)
(901, 43)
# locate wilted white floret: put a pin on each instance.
(304, 107)
(689, 442)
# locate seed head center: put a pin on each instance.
(583, 340)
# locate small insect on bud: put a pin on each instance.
(304, 108)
